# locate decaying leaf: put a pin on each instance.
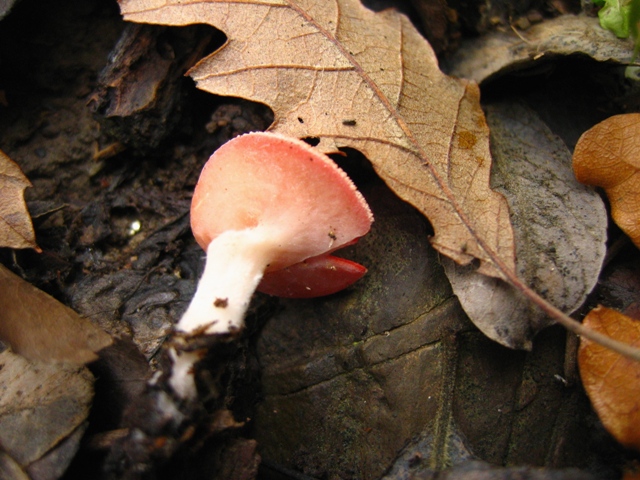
(560, 229)
(39, 327)
(338, 72)
(505, 51)
(16, 230)
(393, 365)
(611, 380)
(43, 409)
(608, 156)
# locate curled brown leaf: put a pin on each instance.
(16, 230)
(611, 380)
(608, 156)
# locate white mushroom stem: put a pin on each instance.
(235, 263)
(182, 379)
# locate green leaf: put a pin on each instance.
(615, 16)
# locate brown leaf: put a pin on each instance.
(607, 156)
(532, 169)
(611, 380)
(16, 230)
(39, 327)
(354, 78)
(43, 408)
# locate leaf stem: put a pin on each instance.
(568, 322)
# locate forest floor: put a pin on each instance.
(112, 181)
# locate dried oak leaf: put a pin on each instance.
(611, 380)
(608, 156)
(39, 327)
(16, 230)
(350, 77)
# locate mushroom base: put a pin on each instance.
(235, 263)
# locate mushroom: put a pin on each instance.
(313, 277)
(267, 208)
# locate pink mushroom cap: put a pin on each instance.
(304, 203)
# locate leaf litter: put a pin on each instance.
(288, 109)
(502, 52)
(607, 156)
(16, 229)
(43, 411)
(424, 132)
(560, 228)
(88, 264)
(39, 327)
(45, 390)
(50, 343)
(612, 381)
(350, 77)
